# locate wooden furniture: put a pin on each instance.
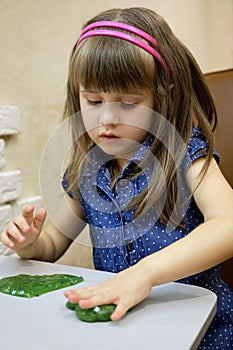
(221, 86)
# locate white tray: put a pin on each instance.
(173, 317)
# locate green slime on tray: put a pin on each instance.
(30, 286)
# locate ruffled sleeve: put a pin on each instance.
(197, 147)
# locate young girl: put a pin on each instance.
(143, 172)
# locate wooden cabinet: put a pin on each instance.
(221, 86)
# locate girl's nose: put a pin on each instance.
(109, 114)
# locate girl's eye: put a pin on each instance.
(94, 102)
(128, 105)
(125, 105)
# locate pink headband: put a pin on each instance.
(87, 32)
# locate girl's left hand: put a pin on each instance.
(125, 289)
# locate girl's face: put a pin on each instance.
(117, 122)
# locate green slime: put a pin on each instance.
(97, 314)
(30, 286)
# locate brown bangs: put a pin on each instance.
(112, 64)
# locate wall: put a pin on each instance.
(36, 39)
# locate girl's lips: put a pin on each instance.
(108, 137)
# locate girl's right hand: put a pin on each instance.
(24, 229)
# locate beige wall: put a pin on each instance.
(36, 37)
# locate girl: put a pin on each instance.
(147, 183)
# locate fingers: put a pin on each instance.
(120, 311)
(91, 296)
(22, 225)
(21, 222)
(39, 219)
(13, 233)
(82, 296)
(27, 213)
(16, 229)
(86, 297)
(6, 240)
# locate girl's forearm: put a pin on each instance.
(208, 245)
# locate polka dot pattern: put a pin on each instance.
(120, 240)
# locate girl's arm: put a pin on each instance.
(210, 243)
(206, 246)
(25, 236)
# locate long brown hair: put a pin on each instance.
(183, 98)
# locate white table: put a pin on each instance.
(173, 317)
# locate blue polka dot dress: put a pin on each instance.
(119, 240)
